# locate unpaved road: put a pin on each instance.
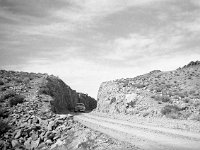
(142, 136)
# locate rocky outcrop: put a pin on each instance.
(174, 94)
(64, 98)
(192, 64)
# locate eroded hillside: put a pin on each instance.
(174, 94)
(29, 107)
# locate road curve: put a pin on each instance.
(143, 136)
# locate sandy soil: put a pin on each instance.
(141, 135)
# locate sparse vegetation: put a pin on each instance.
(4, 113)
(44, 90)
(7, 95)
(171, 111)
(162, 98)
(167, 88)
(4, 127)
(131, 104)
(196, 117)
(17, 99)
(113, 100)
(138, 85)
(1, 82)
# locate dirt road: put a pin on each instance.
(142, 136)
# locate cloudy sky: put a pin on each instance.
(86, 42)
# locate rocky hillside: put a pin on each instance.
(29, 104)
(173, 94)
(62, 97)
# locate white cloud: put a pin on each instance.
(57, 30)
(141, 47)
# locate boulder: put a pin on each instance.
(58, 143)
(15, 143)
(50, 125)
(34, 144)
(18, 134)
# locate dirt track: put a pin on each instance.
(142, 136)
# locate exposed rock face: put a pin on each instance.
(63, 97)
(173, 94)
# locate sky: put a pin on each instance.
(87, 42)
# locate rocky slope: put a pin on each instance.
(29, 107)
(64, 98)
(173, 94)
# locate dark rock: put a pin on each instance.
(50, 135)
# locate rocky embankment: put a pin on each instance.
(173, 94)
(28, 106)
(64, 98)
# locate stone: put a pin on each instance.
(35, 120)
(18, 134)
(2, 144)
(63, 117)
(23, 125)
(34, 136)
(34, 144)
(14, 143)
(44, 123)
(49, 141)
(50, 125)
(41, 145)
(27, 143)
(58, 143)
(50, 135)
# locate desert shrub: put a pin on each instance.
(1, 82)
(7, 95)
(163, 98)
(171, 111)
(139, 85)
(179, 94)
(145, 114)
(191, 92)
(26, 80)
(151, 88)
(16, 100)
(176, 97)
(168, 86)
(113, 100)
(44, 90)
(8, 80)
(3, 88)
(4, 127)
(4, 113)
(125, 83)
(131, 104)
(18, 80)
(186, 100)
(196, 117)
(170, 93)
(158, 89)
